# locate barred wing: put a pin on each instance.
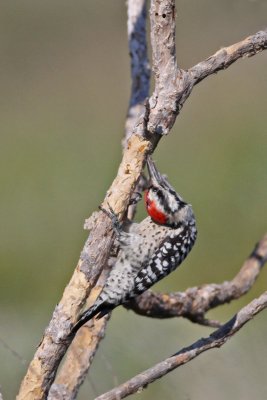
(172, 251)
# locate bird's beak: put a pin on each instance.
(159, 180)
(155, 177)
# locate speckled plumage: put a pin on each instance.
(149, 250)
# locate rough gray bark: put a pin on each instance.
(173, 86)
(140, 69)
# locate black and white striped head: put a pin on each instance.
(163, 204)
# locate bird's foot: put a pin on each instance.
(117, 226)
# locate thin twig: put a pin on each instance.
(196, 301)
(223, 58)
(215, 340)
(13, 352)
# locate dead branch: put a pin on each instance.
(140, 70)
(196, 301)
(172, 91)
(173, 86)
(169, 79)
(228, 55)
(215, 340)
(53, 346)
(78, 361)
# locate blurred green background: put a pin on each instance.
(65, 87)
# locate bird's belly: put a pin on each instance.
(120, 281)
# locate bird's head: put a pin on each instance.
(163, 204)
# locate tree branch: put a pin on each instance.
(173, 86)
(164, 100)
(54, 344)
(80, 354)
(78, 361)
(172, 91)
(228, 55)
(140, 70)
(192, 304)
(215, 340)
(196, 301)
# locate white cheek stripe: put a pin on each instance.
(153, 197)
(173, 203)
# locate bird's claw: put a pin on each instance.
(114, 218)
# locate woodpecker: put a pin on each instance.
(149, 250)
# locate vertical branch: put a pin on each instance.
(163, 103)
(140, 70)
(140, 75)
(162, 17)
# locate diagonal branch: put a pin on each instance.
(228, 55)
(43, 367)
(196, 301)
(79, 356)
(215, 340)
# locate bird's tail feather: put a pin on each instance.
(100, 309)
